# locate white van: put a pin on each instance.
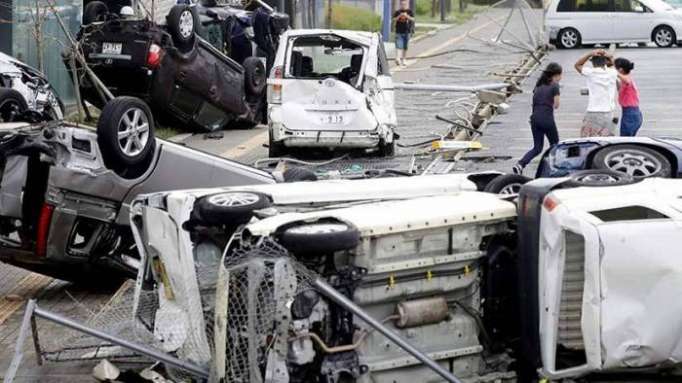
(331, 89)
(571, 23)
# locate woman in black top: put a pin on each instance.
(404, 19)
(545, 100)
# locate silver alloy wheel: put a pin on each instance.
(633, 162)
(233, 199)
(569, 38)
(511, 189)
(186, 24)
(133, 131)
(663, 37)
(318, 228)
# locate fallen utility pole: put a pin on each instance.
(449, 88)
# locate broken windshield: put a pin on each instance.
(314, 57)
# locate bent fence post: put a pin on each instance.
(32, 310)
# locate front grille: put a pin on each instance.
(570, 311)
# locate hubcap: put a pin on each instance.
(319, 228)
(233, 199)
(598, 179)
(569, 39)
(511, 189)
(664, 37)
(133, 132)
(186, 24)
(9, 111)
(633, 162)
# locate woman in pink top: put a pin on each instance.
(628, 98)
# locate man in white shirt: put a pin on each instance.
(601, 78)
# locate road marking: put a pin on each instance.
(27, 288)
(247, 146)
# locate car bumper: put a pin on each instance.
(327, 138)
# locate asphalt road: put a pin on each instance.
(471, 61)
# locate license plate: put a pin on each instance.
(112, 48)
(332, 119)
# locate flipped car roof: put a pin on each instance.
(364, 38)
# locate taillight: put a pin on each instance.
(550, 203)
(43, 230)
(276, 90)
(154, 56)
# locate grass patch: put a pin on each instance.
(166, 132)
(352, 18)
(423, 12)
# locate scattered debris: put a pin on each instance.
(105, 371)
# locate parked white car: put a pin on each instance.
(572, 23)
(331, 89)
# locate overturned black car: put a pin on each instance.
(186, 80)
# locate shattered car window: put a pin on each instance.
(323, 56)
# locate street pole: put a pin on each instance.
(386, 21)
(329, 14)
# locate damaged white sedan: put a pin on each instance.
(331, 89)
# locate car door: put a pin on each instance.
(378, 84)
(631, 20)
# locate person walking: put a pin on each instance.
(404, 21)
(601, 79)
(628, 98)
(545, 101)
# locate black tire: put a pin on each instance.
(319, 238)
(506, 184)
(255, 78)
(599, 177)
(94, 11)
(663, 36)
(568, 38)
(12, 105)
(297, 174)
(387, 149)
(182, 23)
(119, 154)
(634, 160)
(229, 208)
(276, 148)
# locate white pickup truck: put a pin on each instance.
(580, 283)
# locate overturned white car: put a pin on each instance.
(331, 89)
(416, 279)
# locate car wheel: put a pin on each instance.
(182, 25)
(12, 105)
(664, 36)
(319, 238)
(506, 184)
(255, 78)
(297, 174)
(599, 177)
(387, 149)
(230, 208)
(125, 134)
(568, 38)
(94, 11)
(276, 148)
(633, 160)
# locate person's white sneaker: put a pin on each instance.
(518, 169)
